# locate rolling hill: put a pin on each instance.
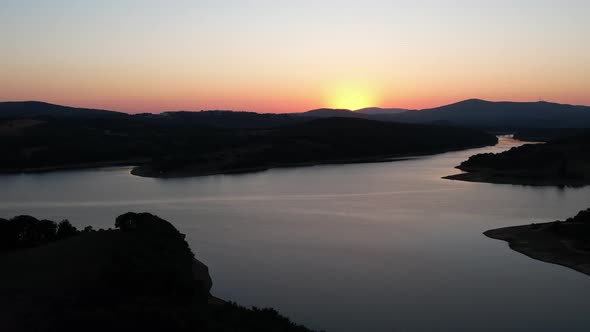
(506, 115)
(380, 111)
(332, 113)
(28, 109)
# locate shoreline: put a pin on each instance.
(142, 168)
(487, 177)
(540, 242)
(76, 166)
(148, 172)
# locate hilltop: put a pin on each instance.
(502, 115)
(38, 109)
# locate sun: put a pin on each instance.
(351, 97)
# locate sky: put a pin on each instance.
(291, 56)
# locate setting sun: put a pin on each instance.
(351, 97)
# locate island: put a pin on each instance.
(139, 276)
(565, 243)
(563, 161)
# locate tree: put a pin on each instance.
(47, 230)
(65, 230)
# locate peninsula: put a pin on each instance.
(560, 242)
(560, 162)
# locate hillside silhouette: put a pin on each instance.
(503, 115)
(330, 140)
(561, 162)
(380, 111)
(470, 113)
(333, 113)
(37, 109)
(140, 276)
(211, 141)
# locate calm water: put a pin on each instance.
(373, 247)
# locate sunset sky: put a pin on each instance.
(290, 56)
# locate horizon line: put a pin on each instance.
(300, 112)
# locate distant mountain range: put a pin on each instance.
(468, 113)
(481, 113)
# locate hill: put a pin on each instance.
(207, 141)
(502, 115)
(141, 276)
(380, 111)
(332, 113)
(37, 109)
(561, 162)
(535, 119)
(40, 111)
(330, 140)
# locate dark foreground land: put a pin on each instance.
(560, 162)
(141, 276)
(322, 141)
(43, 137)
(565, 243)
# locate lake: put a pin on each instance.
(360, 247)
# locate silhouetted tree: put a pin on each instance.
(126, 222)
(65, 229)
(25, 231)
(47, 230)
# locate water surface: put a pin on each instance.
(374, 247)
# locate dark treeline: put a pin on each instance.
(582, 217)
(547, 134)
(26, 232)
(574, 230)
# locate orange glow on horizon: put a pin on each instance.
(352, 97)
